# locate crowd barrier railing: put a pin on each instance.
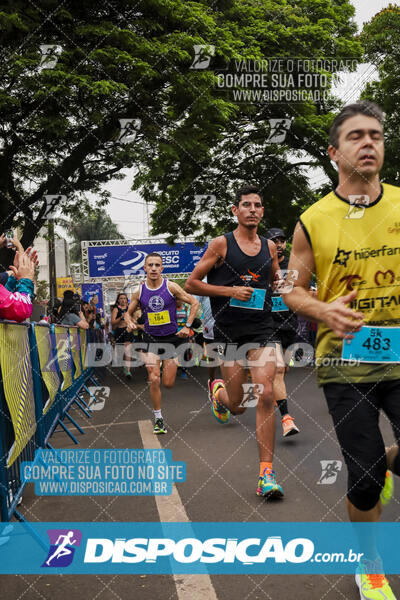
(42, 371)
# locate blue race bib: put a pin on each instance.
(373, 345)
(278, 304)
(256, 301)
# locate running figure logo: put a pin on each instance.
(53, 202)
(251, 394)
(278, 129)
(330, 471)
(286, 280)
(202, 56)
(98, 396)
(61, 551)
(204, 199)
(357, 206)
(128, 130)
(49, 55)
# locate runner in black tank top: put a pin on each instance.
(240, 268)
(118, 324)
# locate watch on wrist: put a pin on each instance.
(188, 326)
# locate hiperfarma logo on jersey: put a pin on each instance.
(135, 264)
(156, 303)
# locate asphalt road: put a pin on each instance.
(222, 472)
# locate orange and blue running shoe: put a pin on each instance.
(267, 485)
(220, 412)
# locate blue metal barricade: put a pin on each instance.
(18, 413)
(41, 373)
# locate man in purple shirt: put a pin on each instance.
(157, 299)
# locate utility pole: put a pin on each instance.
(52, 201)
(52, 261)
(147, 220)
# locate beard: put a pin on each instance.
(252, 225)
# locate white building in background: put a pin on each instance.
(41, 244)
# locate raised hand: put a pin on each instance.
(26, 266)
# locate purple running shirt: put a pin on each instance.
(159, 309)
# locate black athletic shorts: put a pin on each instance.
(156, 344)
(285, 337)
(355, 412)
(121, 335)
(227, 339)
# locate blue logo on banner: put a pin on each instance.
(62, 547)
(120, 261)
(136, 263)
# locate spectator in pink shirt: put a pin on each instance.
(17, 292)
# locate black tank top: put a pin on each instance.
(121, 311)
(240, 269)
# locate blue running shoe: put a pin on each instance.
(267, 486)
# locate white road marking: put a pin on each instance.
(171, 510)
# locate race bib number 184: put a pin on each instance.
(159, 318)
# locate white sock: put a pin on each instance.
(157, 414)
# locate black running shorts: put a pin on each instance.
(355, 412)
(121, 336)
(227, 340)
(163, 346)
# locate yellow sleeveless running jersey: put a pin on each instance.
(356, 247)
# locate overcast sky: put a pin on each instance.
(131, 217)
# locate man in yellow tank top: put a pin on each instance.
(351, 240)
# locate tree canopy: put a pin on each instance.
(193, 185)
(381, 40)
(75, 75)
(89, 225)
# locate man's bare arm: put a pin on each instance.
(129, 318)
(336, 315)
(180, 294)
(215, 252)
(275, 263)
